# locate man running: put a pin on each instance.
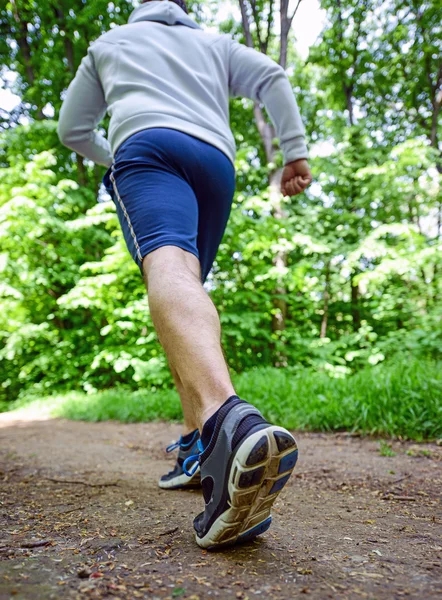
(166, 83)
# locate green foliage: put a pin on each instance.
(385, 449)
(362, 248)
(58, 295)
(401, 398)
(44, 43)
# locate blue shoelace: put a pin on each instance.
(180, 444)
(173, 446)
(195, 458)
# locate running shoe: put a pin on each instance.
(177, 478)
(243, 469)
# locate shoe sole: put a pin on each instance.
(260, 469)
(181, 482)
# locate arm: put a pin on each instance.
(256, 76)
(83, 108)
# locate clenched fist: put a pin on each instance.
(296, 177)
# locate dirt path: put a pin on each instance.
(82, 517)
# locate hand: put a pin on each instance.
(296, 177)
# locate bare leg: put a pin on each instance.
(190, 423)
(189, 330)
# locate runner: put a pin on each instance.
(166, 83)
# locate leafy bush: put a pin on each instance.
(402, 398)
(74, 310)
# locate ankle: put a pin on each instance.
(188, 429)
(206, 401)
(210, 407)
(208, 412)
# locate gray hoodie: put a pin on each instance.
(163, 70)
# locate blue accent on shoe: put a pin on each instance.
(279, 484)
(257, 530)
(173, 446)
(288, 462)
(186, 445)
(195, 458)
(181, 444)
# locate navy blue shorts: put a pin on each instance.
(171, 188)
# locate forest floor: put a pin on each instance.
(82, 517)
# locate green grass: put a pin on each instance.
(403, 398)
(385, 449)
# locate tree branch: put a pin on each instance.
(246, 24)
(294, 12)
(22, 41)
(269, 27)
(257, 23)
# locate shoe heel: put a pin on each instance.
(287, 456)
(251, 534)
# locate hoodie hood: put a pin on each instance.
(162, 11)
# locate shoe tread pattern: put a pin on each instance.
(260, 470)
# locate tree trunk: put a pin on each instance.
(324, 321)
(22, 41)
(280, 262)
(286, 22)
(437, 104)
(439, 221)
(267, 133)
(436, 263)
(348, 91)
(355, 309)
(97, 177)
(81, 171)
(68, 46)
